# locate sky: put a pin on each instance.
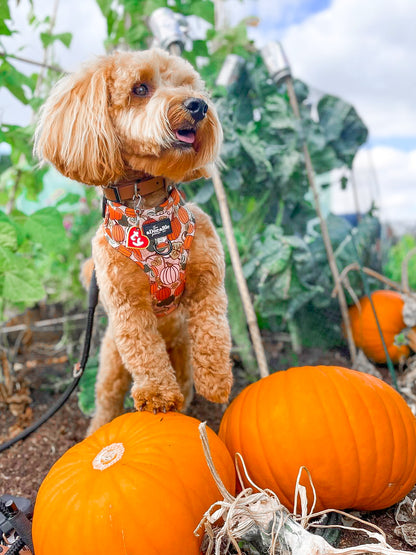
(361, 50)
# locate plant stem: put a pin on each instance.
(32, 62)
(44, 64)
(239, 275)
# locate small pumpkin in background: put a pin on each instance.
(389, 309)
(353, 432)
(138, 485)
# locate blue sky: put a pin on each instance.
(361, 50)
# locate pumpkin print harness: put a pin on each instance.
(158, 240)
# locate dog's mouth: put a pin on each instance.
(186, 136)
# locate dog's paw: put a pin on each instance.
(154, 400)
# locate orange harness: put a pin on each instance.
(158, 240)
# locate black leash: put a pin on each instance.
(77, 371)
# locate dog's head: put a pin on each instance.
(143, 111)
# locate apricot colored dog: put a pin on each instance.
(136, 124)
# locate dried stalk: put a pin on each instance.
(41, 75)
(32, 62)
(260, 520)
(239, 275)
(372, 273)
(45, 323)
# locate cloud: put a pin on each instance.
(384, 176)
(361, 51)
(82, 18)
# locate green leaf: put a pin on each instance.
(69, 198)
(86, 395)
(200, 48)
(13, 80)
(23, 286)
(204, 194)
(105, 6)
(48, 39)
(204, 9)
(8, 260)
(4, 15)
(20, 139)
(8, 237)
(4, 10)
(344, 129)
(233, 179)
(46, 227)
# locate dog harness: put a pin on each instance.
(158, 240)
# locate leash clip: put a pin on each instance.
(137, 199)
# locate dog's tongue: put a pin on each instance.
(185, 136)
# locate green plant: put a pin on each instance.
(274, 221)
(40, 252)
(395, 257)
(264, 174)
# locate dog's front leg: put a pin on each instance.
(206, 301)
(124, 291)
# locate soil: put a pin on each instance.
(43, 373)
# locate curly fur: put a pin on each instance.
(94, 129)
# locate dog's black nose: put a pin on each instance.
(197, 107)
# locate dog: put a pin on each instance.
(136, 124)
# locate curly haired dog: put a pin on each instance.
(135, 124)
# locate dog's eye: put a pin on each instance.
(140, 90)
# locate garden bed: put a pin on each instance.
(44, 369)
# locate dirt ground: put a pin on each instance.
(42, 361)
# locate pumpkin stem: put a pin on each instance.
(259, 522)
(207, 452)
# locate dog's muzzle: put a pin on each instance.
(196, 107)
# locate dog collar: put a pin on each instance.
(158, 240)
(121, 192)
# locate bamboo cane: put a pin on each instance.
(324, 228)
(239, 275)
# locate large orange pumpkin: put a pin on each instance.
(389, 307)
(139, 485)
(354, 433)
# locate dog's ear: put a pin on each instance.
(75, 132)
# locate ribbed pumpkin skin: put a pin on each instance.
(148, 502)
(389, 307)
(355, 434)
